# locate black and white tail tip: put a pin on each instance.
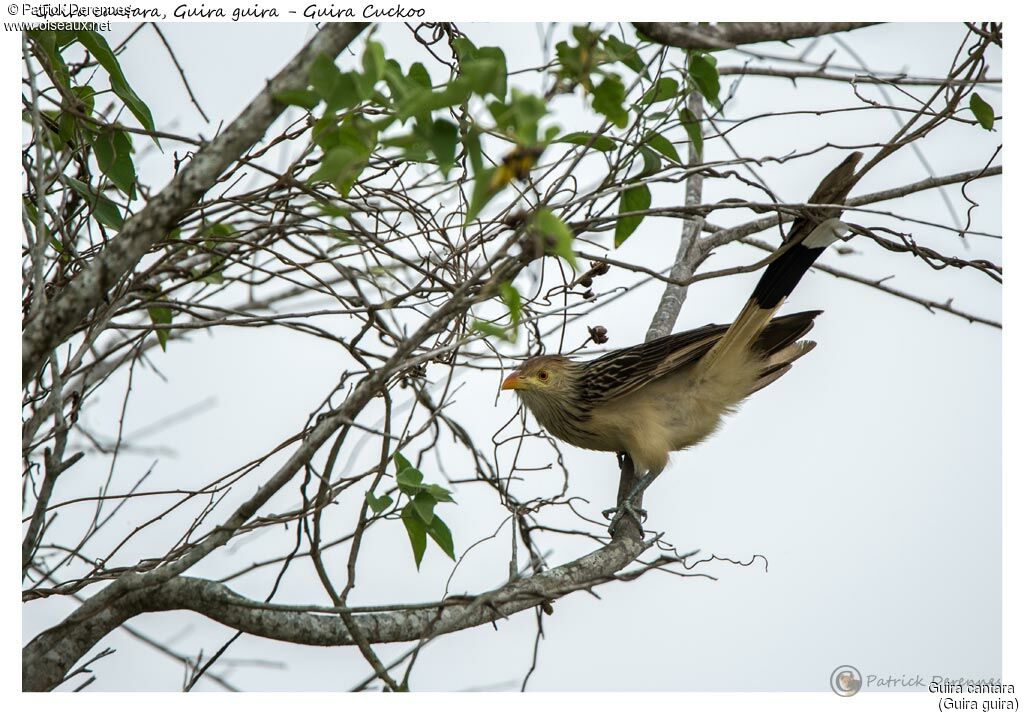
(783, 273)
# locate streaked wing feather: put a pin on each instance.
(621, 372)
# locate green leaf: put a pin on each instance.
(693, 129)
(114, 157)
(440, 534)
(485, 76)
(422, 101)
(572, 65)
(664, 89)
(636, 198)
(396, 80)
(410, 481)
(305, 98)
(67, 125)
(609, 97)
(510, 296)
(414, 148)
(499, 86)
(104, 210)
(485, 327)
(652, 164)
(584, 35)
(662, 145)
(490, 73)
(983, 112)
(464, 48)
(327, 208)
(326, 132)
(444, 136)
(485, 68)
(352, 143)
(347, 92)
(582, 138)
(472, 143)
(324, 76)
(482, 193)
(441, 494)
(374, 65)
(217, 230)
(97, 45)
(378, 504)
(341, 166)
(520, 116)
(419, 75)
(424, 504)
(66, 37)
(551, 226)
(417, 531)
(46, 40)
(401, 463)
(87, 95)
(373, 61)
(627, 54)
(704, 74)
(160, 315)
(338, 90)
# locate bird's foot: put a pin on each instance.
(625, 509)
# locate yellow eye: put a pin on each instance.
(542, 375)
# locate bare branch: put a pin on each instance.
(60, 317)
(687, 257)
(726, 35)
(47, 658)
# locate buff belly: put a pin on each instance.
(672, 413)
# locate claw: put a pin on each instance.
(616, 514)
(627, 507)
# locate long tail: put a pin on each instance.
(775, 285)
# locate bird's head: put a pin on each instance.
(549, 375)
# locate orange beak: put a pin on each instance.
(511, 381)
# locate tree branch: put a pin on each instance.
(687, 258)
(51, 654)
(726, 35)
(722, 236)
(894, 79)
(58, 319)
(879, 284)
(47, 658)
(447, 279)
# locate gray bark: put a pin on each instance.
(48, 658)
(688, 256)
(724, 35)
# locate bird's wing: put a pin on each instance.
(622, 372)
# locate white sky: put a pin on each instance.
(869, 477)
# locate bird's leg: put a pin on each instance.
(627, 507)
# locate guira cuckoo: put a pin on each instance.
(671, 393)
